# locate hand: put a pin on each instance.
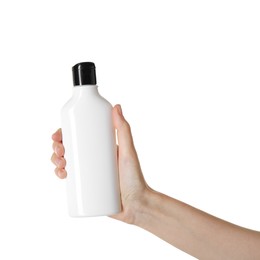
(132, 184)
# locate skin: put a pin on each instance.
(183, 226)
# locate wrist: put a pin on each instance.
(144, 208)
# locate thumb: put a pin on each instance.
(124, 135)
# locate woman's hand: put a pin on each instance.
(132, 184)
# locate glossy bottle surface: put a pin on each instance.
(90, 152)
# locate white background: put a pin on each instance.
(187, 76)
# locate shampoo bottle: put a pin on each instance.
(90, 148)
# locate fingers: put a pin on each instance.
(57, 136)
(61, 173)
(58, 161)
(58, 148)
(125, 139)
(57, 157)
(60, 164)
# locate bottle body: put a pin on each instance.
(91, 154)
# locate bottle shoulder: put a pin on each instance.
(85, 102)
(105, 101)
(69, 103)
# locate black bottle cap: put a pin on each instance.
(84, 73)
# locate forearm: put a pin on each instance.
(194, 231)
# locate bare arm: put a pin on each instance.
(196, 232)
(189, 229)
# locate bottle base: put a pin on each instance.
(89, 215)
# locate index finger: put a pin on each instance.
(57, 136)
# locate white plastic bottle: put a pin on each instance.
(90, 148)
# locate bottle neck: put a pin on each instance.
(90, 90)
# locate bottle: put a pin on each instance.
(90, 148)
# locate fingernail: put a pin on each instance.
(60, 174)
(59, 162)
(119, 109)
(57, 150)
